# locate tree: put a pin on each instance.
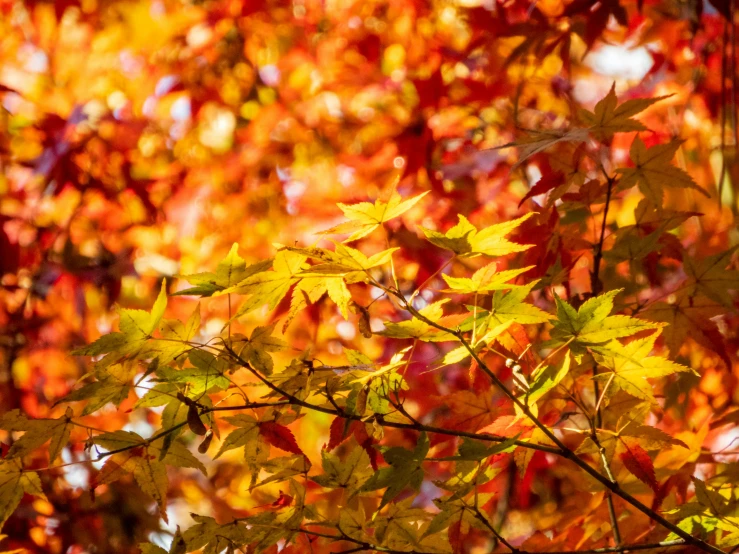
(521, 337)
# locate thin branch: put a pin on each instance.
(595, 283)
(603, 457)
(479, 515)
(430, 277)
(565, 451)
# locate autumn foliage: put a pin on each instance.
(402, 276)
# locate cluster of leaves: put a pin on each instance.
(557, 378)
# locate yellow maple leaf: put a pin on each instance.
(365, 217)
(652, 171)
(609, 117)
(464, 239)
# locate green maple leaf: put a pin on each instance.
(652, 171)
(365, 217)
(592, 324)
(628, 367)
(465, 240)
(547, 378)
(486, 338)
(37, 432)
(405, 470)
(511, 307)
(506, 308)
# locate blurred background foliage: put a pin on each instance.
(140, 139)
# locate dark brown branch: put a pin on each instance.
(564, 450)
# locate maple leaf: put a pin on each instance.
(15, 481)
(455, 511)
(206, 374)
(546, 378)
(638, 462)
(710, 499)
(310, 289)
(175, 338)
(511, 307)
(269, 287)
(465, 240)
(484, 280)
(150, 473)
(629, 366)
(37, 432)
(689, 317)
(349, 474)
(352, 522)
(213, 538)
(652, 171)
(616, 442)
(486, 337)
(547, 182)
(710, 277)
(609, 117)
(539, 141)
(279, 436)
(229, 272)
(136, 327)
(365, 217)
(257, 348)
(404, 471)
(145, 460)
(397, 527)
(113, 384)
(592, 324)
(344, 260)
(417, 329)
(467, 410)
(247, 431)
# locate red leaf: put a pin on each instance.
(280, 437)
(283, 500)
(339, 432)
(545, 184)
(638, 462)
(456, 537)
(366, 442)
